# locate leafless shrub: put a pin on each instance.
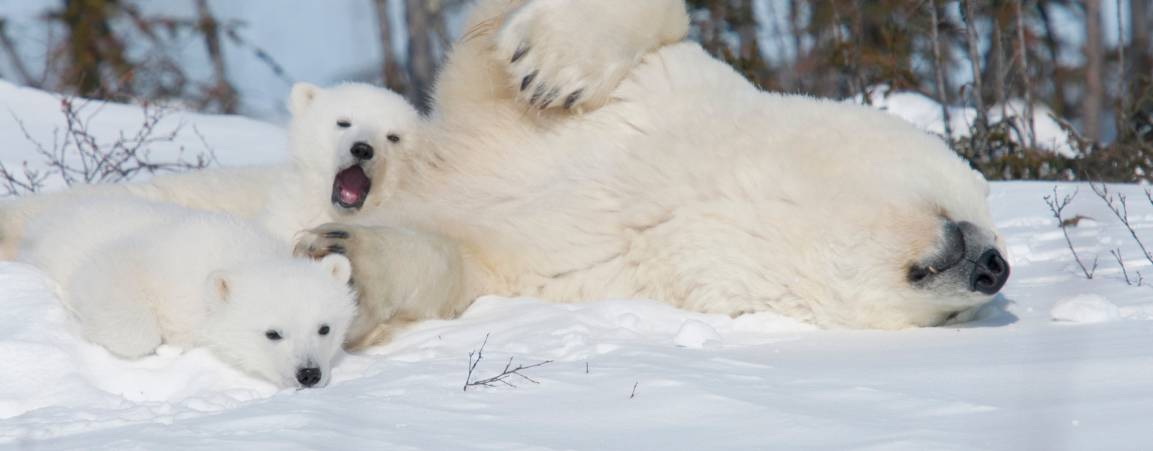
(509, 371)
(1120, 208)
(77, 155)
(1125, 272)
(1057, 207)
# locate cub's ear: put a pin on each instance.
(301, 96)
(338, 266)
(220, 286)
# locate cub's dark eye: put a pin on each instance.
(344, 123)
(323, 330)
(393, 138)
(273, 335)
(917, 274)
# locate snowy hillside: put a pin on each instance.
(625, 374)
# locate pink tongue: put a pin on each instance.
(348, 197)
(352, 185)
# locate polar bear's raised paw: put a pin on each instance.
(573, 53)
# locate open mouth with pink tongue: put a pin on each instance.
(350, 187)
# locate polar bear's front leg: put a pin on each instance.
(401, 276)
(573, 53)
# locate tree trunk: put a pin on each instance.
(391, 74)
(421, 65)
(973, 41)
(1093, 99)
(87, 22)
(939, 70)
(1026, 80)
(1059, 102)
(222, 91)
(1140, 22)
(747, 31)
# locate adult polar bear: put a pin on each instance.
(683, 182)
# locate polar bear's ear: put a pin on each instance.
(219, 286)
(338, 266)
(301, 97)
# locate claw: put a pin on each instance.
(548, 99)
(536, 95)
(572, 99)
(337, 234)
(528, 80)
(520, 52)
(337, 249)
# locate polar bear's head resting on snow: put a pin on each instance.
(284, 321)
(345, 136)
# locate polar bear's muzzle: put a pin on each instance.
(967, 260)
(350, 187)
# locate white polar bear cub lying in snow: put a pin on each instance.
(138, 274)
(341, 140)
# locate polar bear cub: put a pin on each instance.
(138, 274)
(344, 141)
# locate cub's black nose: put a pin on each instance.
(990, 273)
(308, 376)
(362, 151)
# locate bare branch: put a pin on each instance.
(503, 378)
(78, 156)
(1121, 262)
(1117, 204)
(1057, 207)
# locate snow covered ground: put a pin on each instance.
(1056, 362)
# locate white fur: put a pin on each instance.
(284, 198)
(320, 148)
(688, 185)
(137, 274)
(239, 191)
(540, 34)
(692, 187)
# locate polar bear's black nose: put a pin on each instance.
(308, 376)
(362, 151)
(990, 273)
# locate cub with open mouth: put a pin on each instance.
(342, 140)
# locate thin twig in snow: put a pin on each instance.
(1057, 207)
(1117, 204)
(503, 377)
(1121, 262)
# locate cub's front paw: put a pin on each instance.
(327, 239)
(565, 53)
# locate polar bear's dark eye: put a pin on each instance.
(323, 330)
(393, 138)
(273, 335)
(344, 123)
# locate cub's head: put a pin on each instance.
(346, 135)
(283, 320)
(911, 241)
